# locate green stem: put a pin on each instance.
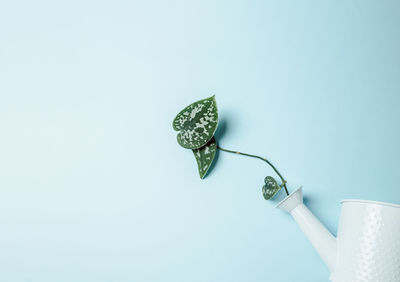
(263, 159)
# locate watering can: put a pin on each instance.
(367, 246)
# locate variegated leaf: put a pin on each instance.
(205, 156)
(270, 188)
(197, 123)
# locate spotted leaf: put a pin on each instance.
(205, 156)
(197, 123)
(270, 188)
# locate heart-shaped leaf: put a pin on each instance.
(205, 156)
(197, 123)
(270, 188)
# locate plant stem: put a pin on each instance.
(263, 159)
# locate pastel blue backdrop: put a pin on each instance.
(94, 186)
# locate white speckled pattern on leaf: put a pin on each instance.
(197, 123)
(205, 156)
(270, 188)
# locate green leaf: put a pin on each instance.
(205, 156)
(197, 123)
(270, 188)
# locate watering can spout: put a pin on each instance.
(321, 239)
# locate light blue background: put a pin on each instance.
(93, 184)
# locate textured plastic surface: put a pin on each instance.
(367, 248)
(368, 243)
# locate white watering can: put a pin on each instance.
(367, 246)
